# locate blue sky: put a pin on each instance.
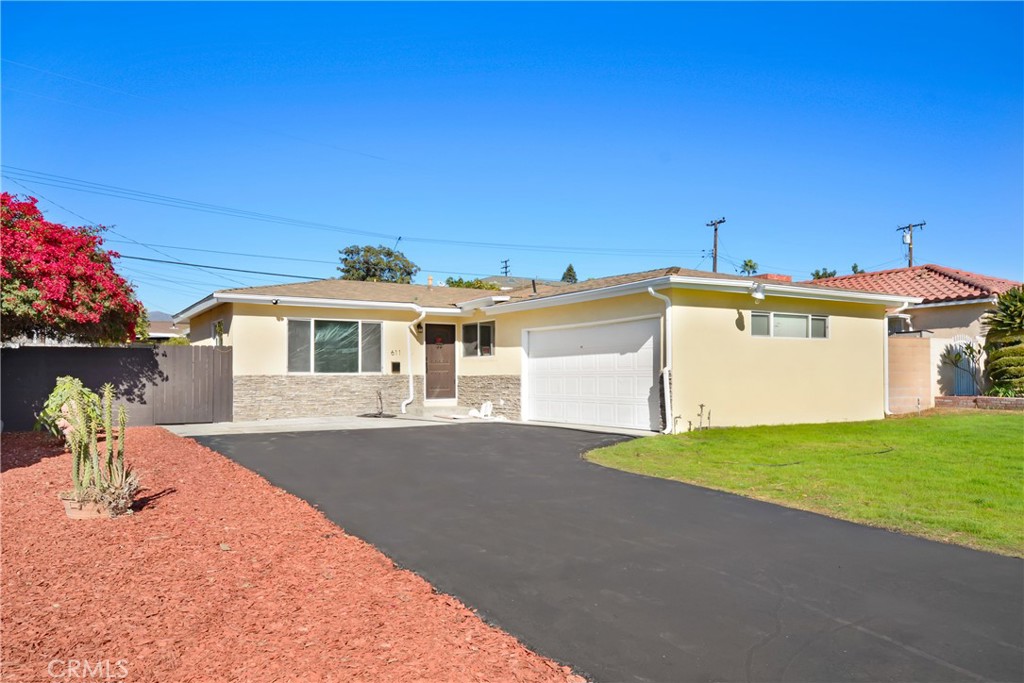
(605, 135)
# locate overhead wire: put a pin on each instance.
(111, 230)
(102, 189)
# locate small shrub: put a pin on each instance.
(1005, 342)
(176, 341)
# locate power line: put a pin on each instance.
(234, 270)
(66, 182)
(97, 225)
(285, 258)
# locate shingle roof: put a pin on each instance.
(935, 284)
(441, 297)
(359, 290)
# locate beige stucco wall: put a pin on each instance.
(509, 329)
(201, 326)
(747, 380)
(259, 335)
(741, 379)
(949, 321)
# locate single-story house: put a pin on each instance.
(163, 330)
(948, 317)
(667, 349)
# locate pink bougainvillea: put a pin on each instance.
(59, 281)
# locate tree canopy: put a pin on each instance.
(822, 273)
(749, 267)
(569, 276)
(59, 281)
(470, 284)
(377, 264)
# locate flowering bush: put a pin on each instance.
(59, 281)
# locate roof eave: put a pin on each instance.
(708, 284)
(218, 298)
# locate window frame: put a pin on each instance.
(810, 329)
(218, 340)
(477, 324)
(312, 345)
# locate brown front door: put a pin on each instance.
(440, 347)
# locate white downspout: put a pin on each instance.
(408, 354)
(885, 360)
(666, 372)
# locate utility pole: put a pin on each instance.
(908, 239)
(714, 258)
(504, 267)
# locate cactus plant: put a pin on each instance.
(98, 475)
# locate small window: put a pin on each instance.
(334, 346)
(478, 339)
(819, 327)
(760, 324)
(786, 325)
(217, 332)
(298, 346)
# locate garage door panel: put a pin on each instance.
(601, 374)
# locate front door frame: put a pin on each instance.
(455, 365)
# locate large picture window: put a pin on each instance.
(478, 339)
(334, 346)
(788, 325)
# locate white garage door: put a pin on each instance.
(598, 375)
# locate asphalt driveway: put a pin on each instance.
(628, 578)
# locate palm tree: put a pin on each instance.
(1004, 342)
(748, 267)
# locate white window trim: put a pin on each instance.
(494, 341)
(312, 349)
(771, 325)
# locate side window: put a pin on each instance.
(217, 332)
(478, 339)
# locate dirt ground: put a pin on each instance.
(217, 576)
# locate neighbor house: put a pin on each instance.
(948, 318)
(953, 301)
(668, 349)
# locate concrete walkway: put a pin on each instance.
(303, 424)
(349, 422)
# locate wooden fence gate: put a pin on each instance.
(200, 386)
(158, 384)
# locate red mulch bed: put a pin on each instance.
(289, 596)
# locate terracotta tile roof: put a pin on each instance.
(358, 290)
(935, 284)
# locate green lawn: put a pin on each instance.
(954, 477)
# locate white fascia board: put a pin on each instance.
(708, 284)
(942, 304)
(579, 297)
(483, 302)
(218, 298)
(791, 291)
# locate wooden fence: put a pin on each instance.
(158, 385)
